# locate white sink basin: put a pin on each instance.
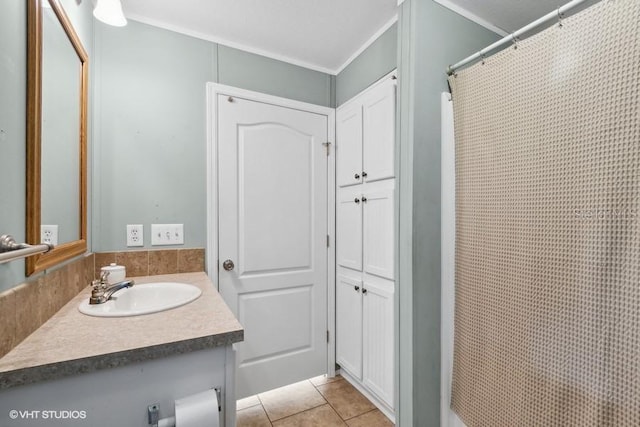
(145, 298)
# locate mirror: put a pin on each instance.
(56, 134)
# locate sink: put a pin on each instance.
(145, 298)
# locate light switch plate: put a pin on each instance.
(167, 234)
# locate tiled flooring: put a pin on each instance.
(320, 401)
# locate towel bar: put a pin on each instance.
(10, 250)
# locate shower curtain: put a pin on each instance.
(547, 268)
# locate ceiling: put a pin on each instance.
(319, 34)
(506, 15)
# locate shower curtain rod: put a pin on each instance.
(556, 15)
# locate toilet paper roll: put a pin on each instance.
(198, 410)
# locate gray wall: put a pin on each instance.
(373, 63)
(261, 74)
(150, 134)
(431, 38)
(13, 69)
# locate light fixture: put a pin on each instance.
(110, 12)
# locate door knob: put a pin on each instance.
(228, 265)
(364, 291)
(357, 176)
(356, 200)
(364, 174)
(364, 199)
(357, 288)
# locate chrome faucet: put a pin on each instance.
(101, 291)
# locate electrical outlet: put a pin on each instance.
(167, 234)
(135, 235)
(49, 234)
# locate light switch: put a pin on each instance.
(167, 234)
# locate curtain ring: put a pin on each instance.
(560, 17)
(451, 71)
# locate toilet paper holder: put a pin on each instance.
(153, 412)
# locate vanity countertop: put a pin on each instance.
(71, 343)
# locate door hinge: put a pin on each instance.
(327, 335)
(328, 147)
(327, 240)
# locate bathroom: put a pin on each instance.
(152, 137)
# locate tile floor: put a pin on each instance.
(320, 401)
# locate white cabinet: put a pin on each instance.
(378, 131)
(365, 333)
(365, 228)
(365, 243)
(378, 337)
(365, 135)
(119, 396)
(349, 133)
(378, 224)
(349, 228)
(349, 316)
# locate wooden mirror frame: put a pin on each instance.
(74, 248)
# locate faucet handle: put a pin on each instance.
(96, 284)
(103, 276)
(97, 292)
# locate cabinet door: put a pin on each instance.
(378, 226)
(379, 117)
(349, 144)
(349, 228)
(378, 336)
(349, 325)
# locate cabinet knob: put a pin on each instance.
(364, 199)
(357, 176)
(364, 174)
(357, 200)
(357, 288)
(364, 291)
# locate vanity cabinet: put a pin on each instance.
(365, 134)
(365, 242)
(128, 364)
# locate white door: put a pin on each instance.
(379, 116)
(377, 314)
(272, 250)
(349, 228)
(349, 140)
(378, 228)
(349, 321)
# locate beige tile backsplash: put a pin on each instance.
(151, 263)
(24, 308)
